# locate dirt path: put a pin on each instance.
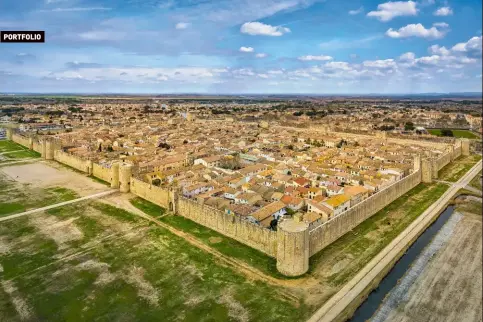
(60, 204)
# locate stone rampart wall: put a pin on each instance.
(443, 160)
(20, 139)
(328, 232)
(102, 172)
(72, 161)
(156, 195)
(232, 226)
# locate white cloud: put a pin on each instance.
(407, 56)
(437, 50)
(389, 10)
(357, 11)
(76, 9)
(338, 65)
(258, 28)
(386, 63)
(261, 55)
(472, 46)
(443, 11)
(247, 49)
(182, 25)
(416, 30)
(318, 58)
(262, 75)
(441, 24)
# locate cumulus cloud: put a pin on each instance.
(356, 12)
(247, 49)
(258, 28)
(182, 25)
(437, 50)
(472, 47)
(443, 11)
(261, 55)
(318, 58)
(416, 30)
(389, 10)
(407, 56)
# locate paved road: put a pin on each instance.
(60, 204)
(8, 152)
(20, 161)
(352, 290)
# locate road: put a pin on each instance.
(352, 291)
(60, 204)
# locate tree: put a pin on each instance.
(409, 126)
(447, 132)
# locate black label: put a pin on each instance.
(22, 36)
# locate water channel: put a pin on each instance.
(377, 296)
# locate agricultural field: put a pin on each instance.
(449, 287)
(456, 169)
(94, 262)
(461, 134)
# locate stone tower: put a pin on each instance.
(417, 163)
(465, 147)
(115, 175)
(426, 170)
(125, 172)
(49, 149)
(9, 133)
(293, 247)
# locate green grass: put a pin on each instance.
(100, 181)
(147, 207)
(369, 238)
(225, 245)
(456, 169)
(6, 146)
(462, 134)
(187, 283)
(476, 182)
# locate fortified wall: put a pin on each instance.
(293, 243)
(233, 226)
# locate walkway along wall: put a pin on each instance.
(330, 231)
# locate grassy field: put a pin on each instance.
(16, 198)
(221, 243)
(356, 248)
(7, 145)
(457, 133)
(476, 182)
(10, 151)
(95, 262)
(456, 169)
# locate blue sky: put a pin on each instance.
(243, 46)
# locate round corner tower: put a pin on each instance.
(293, 247)
(125, 172)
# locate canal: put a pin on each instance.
(377, 296)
